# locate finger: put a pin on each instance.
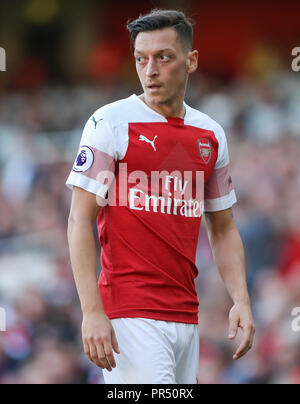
(242, 353)
(245, 344)
(109, 354)
(94, 355)
(102, 357)
(87, 350)
(242, 350)
(233, 327)
(114, 342)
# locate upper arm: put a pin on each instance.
(218, 223)
(84, 206)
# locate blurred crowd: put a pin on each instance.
(40, 131)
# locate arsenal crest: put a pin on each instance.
(204, 150)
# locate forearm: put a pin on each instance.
(83, 255)
(228, 252)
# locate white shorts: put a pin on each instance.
(154, 352)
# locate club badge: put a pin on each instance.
(205, 150)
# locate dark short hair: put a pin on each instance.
(160, 19)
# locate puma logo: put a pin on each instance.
(144, 139)
(96, 122)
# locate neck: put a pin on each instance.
(174, 109)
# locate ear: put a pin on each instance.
(192, 61)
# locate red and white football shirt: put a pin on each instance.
(149, 243)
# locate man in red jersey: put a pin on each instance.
(147, 308)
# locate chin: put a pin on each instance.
(156, 99)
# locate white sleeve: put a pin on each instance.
(218, 191)
(95, 163)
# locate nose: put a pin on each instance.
(152, 69)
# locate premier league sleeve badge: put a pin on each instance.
(84, 160)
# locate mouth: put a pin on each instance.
(153, 86)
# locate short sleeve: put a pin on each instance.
(219, 192)
(95, 162)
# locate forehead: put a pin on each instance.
(154, 41)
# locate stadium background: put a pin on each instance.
(67, 58)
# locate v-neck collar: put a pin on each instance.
(172, 119)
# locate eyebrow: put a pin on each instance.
(160, 51)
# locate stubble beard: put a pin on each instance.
(161, 100)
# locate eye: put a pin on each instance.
(140, 59)
(164, 58)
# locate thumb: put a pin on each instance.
(115, 342)
(233, 328)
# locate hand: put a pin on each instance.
(241, 317)
(99, 340)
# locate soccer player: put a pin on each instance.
(143, 325)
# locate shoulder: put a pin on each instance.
(200, 120)
(107, 127)
(115, 113)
